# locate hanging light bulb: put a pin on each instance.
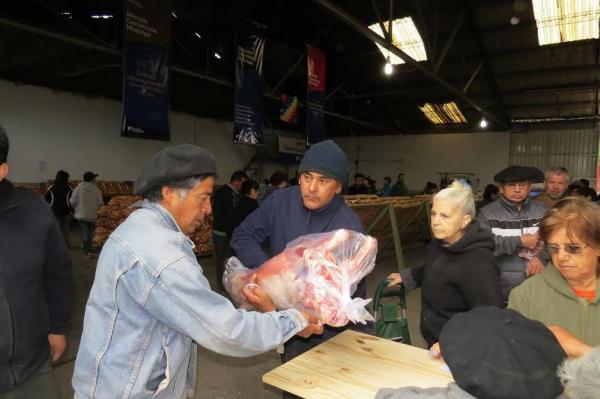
(388, 69)
(483, 124)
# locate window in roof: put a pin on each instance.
(443, 113)
(405, 36)
(566, 20)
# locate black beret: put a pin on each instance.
(519, 173)
(175, 162)
(498, 353)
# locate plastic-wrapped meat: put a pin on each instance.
(316, 273)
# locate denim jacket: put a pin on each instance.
(150, 304)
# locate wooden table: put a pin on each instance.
(353, 365)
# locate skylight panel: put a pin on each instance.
(561, 21)
(405, 36)
(447, 113)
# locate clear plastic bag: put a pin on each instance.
(316, 273)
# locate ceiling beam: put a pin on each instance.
(366, 32)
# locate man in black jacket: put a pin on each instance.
(35, 290)
(225, 200)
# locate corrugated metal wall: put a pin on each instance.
(576, 150)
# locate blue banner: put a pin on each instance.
(146, 101)
(249, 89)
(315, 104)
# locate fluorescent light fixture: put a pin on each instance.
(405, 36)
(173, 14)
(561, 21)
(102, 16)
(198, 35)
(388, 69)
(66, 14)
(447, 113)
(483, 124)
(217, 56)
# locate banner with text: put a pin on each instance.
(248, 112)
(315, 104)
(146, 69)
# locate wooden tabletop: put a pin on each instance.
(354, 365)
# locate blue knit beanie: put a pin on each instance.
(327, 159)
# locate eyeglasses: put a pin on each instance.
(573, 249)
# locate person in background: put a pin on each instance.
(567, 293)
(248, 202)
(459, 271)
(36, 283)
(278, 180)
(359, 186)
(86, 200)
(225, 200)
(556, 183)
(585, 192)
(58, 195)
(151, 305)
(371, 185)
(585, 182)
(399, 189)
(490, 194)
(430, 188)
(386, 190)
(514, 221)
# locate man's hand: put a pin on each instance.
(258, 297)
(58, 344)
(571, 345)
(314, 326)
(395, 279)
(530, 240)
(534, 266)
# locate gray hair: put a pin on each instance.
(559, 171)
(461, 194)
(183, 186)
(581, 376)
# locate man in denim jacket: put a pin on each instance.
(151, 304)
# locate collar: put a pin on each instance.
(9, 196)
(335, 203)
(166, 216)
(233, 188)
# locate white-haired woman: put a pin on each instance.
(459, 272)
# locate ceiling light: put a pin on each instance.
(483, 124)
(447, 113)
(388, 69)
(198, 35)
(173, 14)
(66, 14)
(514, 21)
(217, 56)
(102, 16)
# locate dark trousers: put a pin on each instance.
(64, 221)
(223, 251)
(87, 233)
(41, 385)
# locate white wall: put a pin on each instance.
(50, 130)
(420, 157)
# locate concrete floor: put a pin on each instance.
(221, 376)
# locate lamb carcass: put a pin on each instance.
(316, 273)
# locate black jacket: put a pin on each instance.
(35, 283)
(455, 278)
(225, 200)
(244, 208)
(58, 197)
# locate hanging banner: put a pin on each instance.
(315, 104)
(146, 69)
(289, 109)
(248, 110)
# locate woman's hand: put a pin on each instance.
(395, 279)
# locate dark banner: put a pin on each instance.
(146, 69)
(315, 104)
(249, 88)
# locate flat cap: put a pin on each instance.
(519, 173)
(175, 162)
(498, 353)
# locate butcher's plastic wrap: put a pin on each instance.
(316, 273)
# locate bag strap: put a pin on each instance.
(383, 291)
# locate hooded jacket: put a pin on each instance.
(548, 298)
(455, 278)
(508, 223)
(86, 200)
(35, 283)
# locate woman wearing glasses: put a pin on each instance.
(567, 292)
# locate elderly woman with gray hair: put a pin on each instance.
(459, 272)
